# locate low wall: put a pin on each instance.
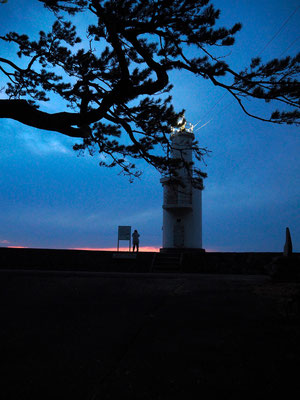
(232, 263)
(73, 260)
(108, 261)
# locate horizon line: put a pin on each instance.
(150, 249)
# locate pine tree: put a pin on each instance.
(109, 79)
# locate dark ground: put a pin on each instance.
(149, 336)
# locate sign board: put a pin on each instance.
(124, 233)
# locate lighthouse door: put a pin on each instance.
(178, 234)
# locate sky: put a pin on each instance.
(51, 198)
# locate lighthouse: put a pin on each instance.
(182, 203)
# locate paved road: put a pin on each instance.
(130, 336)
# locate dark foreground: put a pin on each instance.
(148, 336)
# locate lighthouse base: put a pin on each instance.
(177, 250)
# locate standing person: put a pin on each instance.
(135, 240)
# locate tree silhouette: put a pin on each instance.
(111, 78)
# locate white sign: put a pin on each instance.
(124, 232)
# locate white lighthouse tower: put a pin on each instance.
(182, 205)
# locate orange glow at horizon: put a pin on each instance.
(151, 249)
(17, 247)
(142, 248)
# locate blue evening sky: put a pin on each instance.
(51, 198)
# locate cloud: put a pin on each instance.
(96, 219)
(35, 141)
(12, 246)
(44, 146)
(141, 217)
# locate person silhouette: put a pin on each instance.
(135, 240)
